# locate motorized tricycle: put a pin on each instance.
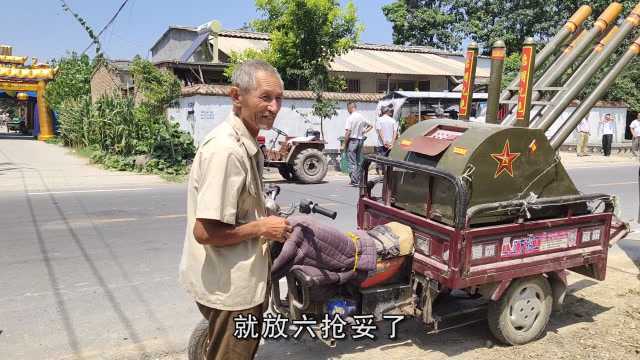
(512, 273)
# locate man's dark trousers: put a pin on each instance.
(353, 150)
(606, 144)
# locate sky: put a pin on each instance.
(41, 29)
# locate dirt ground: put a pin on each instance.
(600, 320)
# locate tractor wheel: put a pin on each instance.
(310, 166)
(522, 313)
(287, 173)
(198, 340)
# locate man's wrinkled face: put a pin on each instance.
(258, 107)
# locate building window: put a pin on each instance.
(353, 85)
(394, 85)
(381, 86)
(424, 85)
(406, 85)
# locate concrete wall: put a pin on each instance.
(199, 114)
(595, 137)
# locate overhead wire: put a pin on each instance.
(113, 18)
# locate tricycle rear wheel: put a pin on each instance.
(522, 313)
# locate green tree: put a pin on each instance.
(511, 69)
(158, 89)
(512, 21)
(433, 23)
(72, 80)
(236, 58)
(302, 50)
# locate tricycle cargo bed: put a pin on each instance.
(460, 255)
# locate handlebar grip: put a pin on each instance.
(323, 211)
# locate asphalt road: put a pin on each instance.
(93, 273)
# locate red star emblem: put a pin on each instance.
(505, 160)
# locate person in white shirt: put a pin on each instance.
(635, 131)
(387, 133)
(608, 128)
(355, 129)
(583, 137)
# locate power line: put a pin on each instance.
(113, 18)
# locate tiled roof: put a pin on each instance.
(245, 34)
(223, 90)
(380, 47)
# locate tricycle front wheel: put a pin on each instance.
(522, 313)
(198, 341)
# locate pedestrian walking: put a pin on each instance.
(355, 128)
(225, 258)
(583, 137)
(608, 129)
(386, 133)
(635, 132)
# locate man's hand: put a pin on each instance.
(275, 228)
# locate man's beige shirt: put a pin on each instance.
(225, 184)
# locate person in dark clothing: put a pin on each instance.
(608, 129)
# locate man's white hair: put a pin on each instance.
(244, 75)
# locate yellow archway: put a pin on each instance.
(16, 76)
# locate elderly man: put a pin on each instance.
(356, 128)
(225, 261)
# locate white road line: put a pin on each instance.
(620, 183)
(86, 191)
(170, 216)
(105, 221)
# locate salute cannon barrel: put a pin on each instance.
(584, 108)
(571, 53)
(568, 29)
(586, 71)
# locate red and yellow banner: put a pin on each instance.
(467, 83)
(524, 92)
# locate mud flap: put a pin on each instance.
(618, 230)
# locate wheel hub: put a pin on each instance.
(311, 166)
(525, 308)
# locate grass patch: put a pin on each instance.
(54, 141)
(174, 178)
(83, 152)
(175, 174)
